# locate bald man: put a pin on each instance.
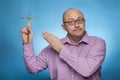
(74, 57)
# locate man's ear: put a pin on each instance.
(63, 26)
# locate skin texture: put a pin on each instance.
(74, 32)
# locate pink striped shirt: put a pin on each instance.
(75, 62)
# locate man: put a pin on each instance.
(75, 57)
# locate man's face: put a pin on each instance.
(74, 23)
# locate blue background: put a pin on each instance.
(102, 19)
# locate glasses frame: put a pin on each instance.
(74, 21)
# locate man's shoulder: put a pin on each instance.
(95, 39)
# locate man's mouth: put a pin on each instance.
(77, 30)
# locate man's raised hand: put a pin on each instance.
(27, 35)
(54, 41)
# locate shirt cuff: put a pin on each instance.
(27, 45)
(28, 49)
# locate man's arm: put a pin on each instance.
(86, 66)
(34, 63)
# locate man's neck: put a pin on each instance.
(75, 39)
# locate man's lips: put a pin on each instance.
(77, 29)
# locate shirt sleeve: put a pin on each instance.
(34, 63)
(86, 66)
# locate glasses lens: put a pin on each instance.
(80, 21)
(71, 22)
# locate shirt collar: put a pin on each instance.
(85, 39)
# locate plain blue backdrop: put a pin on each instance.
(102, 20)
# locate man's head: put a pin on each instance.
(74, 23)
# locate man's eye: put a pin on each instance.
(71, 22)
(79, 20)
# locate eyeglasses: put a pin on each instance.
(73, 22)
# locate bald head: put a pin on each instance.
(71, 13)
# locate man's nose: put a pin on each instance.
(76, 24)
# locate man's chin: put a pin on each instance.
(76, 36)
(79, 35)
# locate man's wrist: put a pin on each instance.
(62, 46)
(24, 43)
